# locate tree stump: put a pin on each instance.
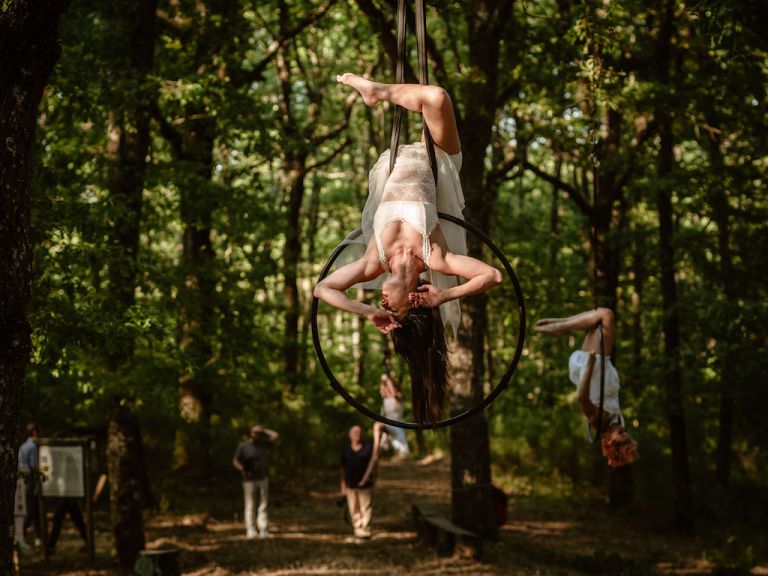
(158, 563)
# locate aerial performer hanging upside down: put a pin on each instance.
(617, 446)
(418, 257)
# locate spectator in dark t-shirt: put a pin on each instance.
(252, 460)
(355, 458)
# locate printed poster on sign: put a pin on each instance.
(62, 468)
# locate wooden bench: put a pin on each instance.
(436, 530)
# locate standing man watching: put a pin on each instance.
(252, 460)
(355, 458)
(28, 468)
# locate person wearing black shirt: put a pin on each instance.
(252, 460)
(355, 458)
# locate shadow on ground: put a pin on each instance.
(310, 537)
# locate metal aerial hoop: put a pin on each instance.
(498, 389)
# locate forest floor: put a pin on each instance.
(310, 537)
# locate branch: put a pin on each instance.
(648, 131)
(383, 27)
(507, 93)
(327, 159)
(501, 172)
(317, 139)
(241, 77)
(576, 195)
(167, 131)
(335, 131)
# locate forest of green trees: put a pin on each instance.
(175, 176)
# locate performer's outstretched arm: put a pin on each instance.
(331, 289)
(480, 278)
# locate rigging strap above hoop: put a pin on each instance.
(599, 430)
(602, 379)
(593, 156)
(421, 46)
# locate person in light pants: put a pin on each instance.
(252, 461)
(253, 489)
(355, 458)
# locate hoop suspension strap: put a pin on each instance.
(399, 79)
(421, 46)
(595, 163)
(602, 380)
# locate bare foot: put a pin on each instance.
(366, 88)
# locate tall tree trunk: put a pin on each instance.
(671, 324)
(487, 21)
(127, 148)
(30, 47)
(294, 171)
(472, 497)
(197, 323)
(292, 255)
(606, 216)
(730, 334)
(607, 211)
(125, 462)
(472, 492)
(192, 136)
(549, 380)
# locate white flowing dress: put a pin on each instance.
(577, 363)
(409, 195)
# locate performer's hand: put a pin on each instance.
(426, 295)
(383, 321)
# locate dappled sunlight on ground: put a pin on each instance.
(540, 528)
(309, 537)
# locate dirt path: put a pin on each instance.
(309, 537)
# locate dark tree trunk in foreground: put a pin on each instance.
(472, 498)
(125, 461)
(127, 148)
(29, 47)
(472, 493)
(294, 175)
(671, 326)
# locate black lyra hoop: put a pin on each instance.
(336, 385)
